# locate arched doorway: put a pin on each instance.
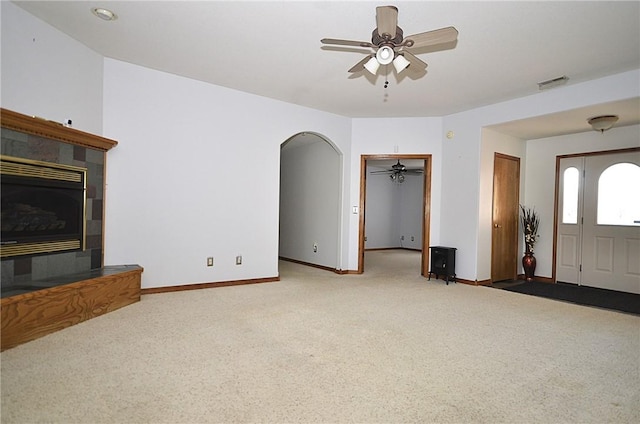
(310, 201)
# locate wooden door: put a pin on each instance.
(504, 239)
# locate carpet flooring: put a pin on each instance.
(581, 295)
(387, 346)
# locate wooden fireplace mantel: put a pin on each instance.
(54, 130)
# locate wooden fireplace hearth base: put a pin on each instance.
(48, 306)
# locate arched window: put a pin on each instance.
(571, 185)
(618, 199)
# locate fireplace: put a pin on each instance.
(43, 207)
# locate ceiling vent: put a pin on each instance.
(544, 85)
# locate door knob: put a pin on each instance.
(497, 226)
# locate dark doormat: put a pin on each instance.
(582, 295)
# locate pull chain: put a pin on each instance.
(386, 76)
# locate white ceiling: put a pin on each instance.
(273, 49)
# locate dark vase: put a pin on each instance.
(529, 265)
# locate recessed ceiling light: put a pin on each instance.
(104, 14)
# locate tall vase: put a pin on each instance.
(529, 265)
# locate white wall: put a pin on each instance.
(460, 184)
(196, 174)
(46, 73)
(411, 199)
(310, 201)
(382, 218)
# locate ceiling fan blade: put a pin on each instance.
(430, 38)
(387, 20)
(346, 42)
(360, 65)
(381, 172)
(415, 62)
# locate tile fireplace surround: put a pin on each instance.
(37, 139)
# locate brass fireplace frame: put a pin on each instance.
(20, 167)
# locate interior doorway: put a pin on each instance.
(310, 218)
(426, 206)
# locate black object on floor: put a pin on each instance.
(582, 295)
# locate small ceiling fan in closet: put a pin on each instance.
(389, 46)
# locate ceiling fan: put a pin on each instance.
(398, 171)
(390, 46)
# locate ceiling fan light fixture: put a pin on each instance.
(372, 65)
(385, 55)
(388, 42)
(397, 177)
(400, 63)
(602, 123)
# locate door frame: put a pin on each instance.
(426, 208)
(557, 194)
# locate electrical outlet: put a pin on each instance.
(401, 237)
(412, 238)
(209, 261)
(239, 260)
(315, 247)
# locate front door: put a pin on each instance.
(611, 249)
(504, 240)
(599, 221)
